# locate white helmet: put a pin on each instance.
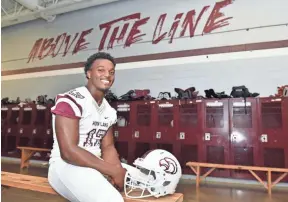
(157, 173)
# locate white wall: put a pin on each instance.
(251, 22)
(259, 75)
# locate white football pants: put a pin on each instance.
(82, 184)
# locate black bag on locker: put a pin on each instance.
(242, 91)
(189, 93)
(164, 96)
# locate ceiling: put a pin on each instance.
(19, 11)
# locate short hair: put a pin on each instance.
(96, 56)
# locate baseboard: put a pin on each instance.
(36, 163)
(225, 181)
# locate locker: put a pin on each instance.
(26, 124)
(12, 130)
(48, 140)
(189, 132)
(40, 121)
(4, 127)
(215, 136)
(273, 136)
(141, 123)
(244, 143)
(123, 131)
(41, 138)
(163, 127)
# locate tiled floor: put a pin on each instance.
(207, 193)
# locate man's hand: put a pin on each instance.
(117, 178)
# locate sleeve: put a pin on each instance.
(67, 106)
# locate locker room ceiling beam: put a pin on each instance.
(33, 10)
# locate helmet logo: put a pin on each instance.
(169, 165)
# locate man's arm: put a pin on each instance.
(109, 152)
(67, 132)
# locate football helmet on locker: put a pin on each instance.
(156, 173)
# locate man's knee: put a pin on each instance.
(101, 196)
(87, 185)
(116, 197)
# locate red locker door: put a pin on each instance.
(285, 121)
(39, 129)
(273, 134)
(12, 130)
(123, 131)
(164, 130)
(48, 135)
(243, 135)
(27, 119)
(4, 127)
(141, 123)
(215, 137)
(189, 132)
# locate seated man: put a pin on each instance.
(83, 154)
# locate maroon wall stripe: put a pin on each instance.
(158, 56)
(43, 68)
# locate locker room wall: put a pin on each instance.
(262, 72)
(260, 75)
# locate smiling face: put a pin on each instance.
(101, 74)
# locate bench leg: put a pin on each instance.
(198, 170)
(4, 188)
(269, 187)
(25, 158)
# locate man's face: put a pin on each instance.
(102, 74)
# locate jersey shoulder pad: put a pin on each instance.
(69, 104)
(76, 94)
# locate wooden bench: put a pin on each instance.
(27, 153)
(41, 184)
(196, 167)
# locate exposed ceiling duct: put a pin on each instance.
(35, 7)
(49, 12)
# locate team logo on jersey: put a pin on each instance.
(169, 165)
(101, 124)
(76, 94)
